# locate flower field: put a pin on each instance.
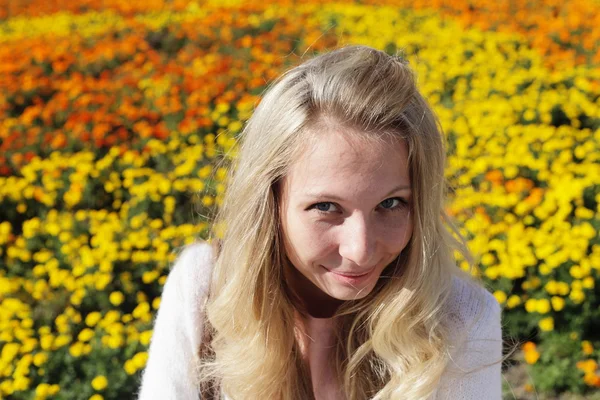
(115, 119)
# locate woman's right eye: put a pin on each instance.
(324, 208)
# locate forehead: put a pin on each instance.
(348, 162)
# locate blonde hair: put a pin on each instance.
(393, 343)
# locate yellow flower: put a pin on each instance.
(116, 298)
(112, 342)
(28, 344)
(53, 389)
(529, 114)
(235, 126)
(156, 303)
(558, 303)
(164, 186)
(587, 348)
(141, 310)
(140, 359)
(76, 349)
(141, 297)
(205, 171)
(40, 358)
(588, 282)
(150, 276)
(102, 281)
(221, 174)
(92, 318)
(130, 367)
(145, 337)
(577, 272)
(42, 390)
(513, 301)
(563, 288)
(531, 305)
(207, 200)
(500, 296)
(547, 324)
(9, 351)
(21, 383)
(85, 335)
(60, 341)
(577, 296)
(100, 382)
(96, 397)
(545, 270)
(543, 306)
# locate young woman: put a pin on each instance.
(335, 278)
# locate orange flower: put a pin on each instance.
(592, 379)
(38, 193)
(494, 176)
(529, 346)
(531, 357)
(59, 141)
(535, 196)
(530, 353)
(588, 366)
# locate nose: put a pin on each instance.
(358, 241)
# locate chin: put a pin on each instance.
(349, 293)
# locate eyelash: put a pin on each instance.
(402, 204)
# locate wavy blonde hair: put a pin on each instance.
(392, 344)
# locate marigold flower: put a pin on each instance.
(546, 324)
(100, 382)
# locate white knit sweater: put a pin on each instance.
(169, 373)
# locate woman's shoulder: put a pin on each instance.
(472, 310)
(475, 333)
(178, 327)
(192, 269)
(468, 295)
(198, 253)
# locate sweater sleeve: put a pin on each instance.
(474, 371)
(173, 352)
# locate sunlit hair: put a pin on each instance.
(394, 343)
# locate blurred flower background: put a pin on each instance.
(116, 118)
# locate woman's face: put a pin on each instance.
(345, 214)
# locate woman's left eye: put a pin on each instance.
(392, 204)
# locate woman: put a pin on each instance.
(335, 277)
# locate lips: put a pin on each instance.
(350, 274)
(351, 279)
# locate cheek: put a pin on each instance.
(396, 234)
(309, 239)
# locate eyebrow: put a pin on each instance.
(319, 195)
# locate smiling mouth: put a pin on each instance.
(349, 274)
